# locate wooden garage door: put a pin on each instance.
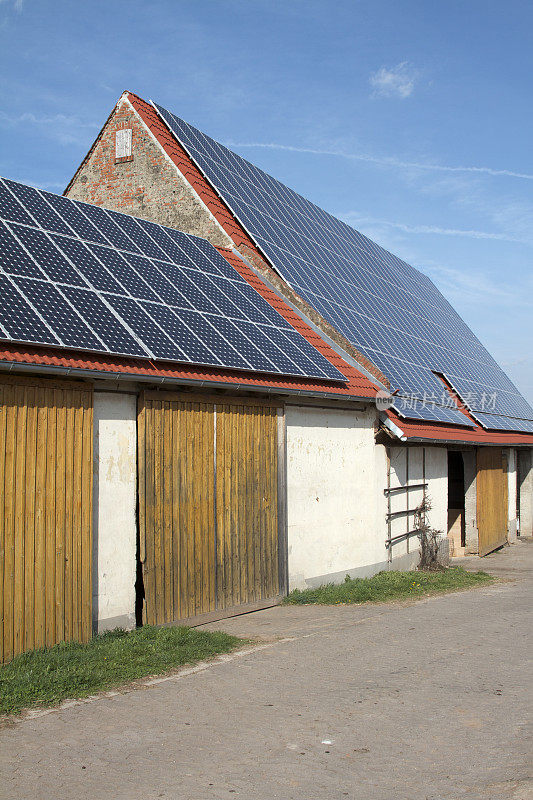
(46, 440)
(208, 505)
(491, 498)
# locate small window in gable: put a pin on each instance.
(123, 151)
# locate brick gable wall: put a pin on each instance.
(149, 185)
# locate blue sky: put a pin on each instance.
(410, 120)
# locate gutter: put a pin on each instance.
(470, 443)
(160, 380)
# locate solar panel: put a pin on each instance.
(48, 301)
(389, 311)
(80, 276)
(497, 422)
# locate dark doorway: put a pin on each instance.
(456, 499)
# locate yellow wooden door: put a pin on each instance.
(492, 499)
(176, 508)
(46, 441)
(247, 504)
(208, 505)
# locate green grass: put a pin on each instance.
(389, 586)
(71, 670)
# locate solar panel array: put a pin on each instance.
(80, 276)
(390, 311)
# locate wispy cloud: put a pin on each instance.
(17, 4)
(398, 81)
(355, 219)
(385, 161)
(66, 129)
(472, 285)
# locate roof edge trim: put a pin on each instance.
(12, 366)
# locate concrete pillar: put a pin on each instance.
(471, 531)
(511, 493)
(114, 510)
(525, 469)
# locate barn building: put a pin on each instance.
(457, 414)
(165, 420)
(188, 432)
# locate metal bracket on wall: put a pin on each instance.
(405, 488)
(392, 491)
(400, 538)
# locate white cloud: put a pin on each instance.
(398, 81)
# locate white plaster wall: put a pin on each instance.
(381, 465)
(114, 521)
(437, 490)
(331, 494)
(471, 531)
(526, 492)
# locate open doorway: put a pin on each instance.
(456, 503)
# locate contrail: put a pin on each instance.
(384, 161)
(472, 234)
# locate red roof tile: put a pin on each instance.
(414, 429)
(15, 354)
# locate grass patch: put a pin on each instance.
(71, 670)
(389, 586)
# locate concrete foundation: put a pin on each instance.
(114, 519)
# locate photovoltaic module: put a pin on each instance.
(80, 276)
(389, 311)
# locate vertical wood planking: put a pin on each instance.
(189, 489)
(30, 519)
(76, 569)
(87, 514)
(220, 505)
(176, 475)
(45, 546)
(50, 540)
(2, 529)
(61, 414)
(492, 499)
(19, 520)
(9, 530)
(41, 467)
(167, 509)
(70, 541)
(209, 422)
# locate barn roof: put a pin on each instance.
(188, 149)
(134, 298)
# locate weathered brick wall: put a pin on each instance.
(148, 186)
